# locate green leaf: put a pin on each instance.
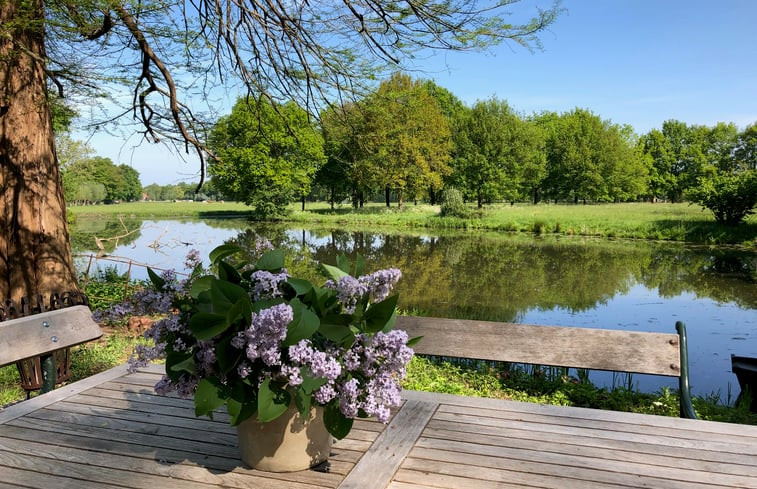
(302, 400)
(228, 273)
(343, 263)
(207, 398)
(186, 365)
(273, 401)
(336, 423)
(390, 324)
(338, 333)
(221, 252)
(227, 356)
(258, 306)
(413, 341)
(378, 315)
(359, 265)
(200, 285)
(241, 309)
(300, 286)
(224, 294)
(304, 323)
(175, 358)
(333, 272)
(206, 325)
(156, 279)
(272, 261)
(310, 383)
(242, 404)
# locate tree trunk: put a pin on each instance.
(536, 195)
(399, 199)
(35, 257)
(387, 194)
(333, 197)
(303, 203)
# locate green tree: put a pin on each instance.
(678, 154)
(745, 152)
(590, 159)
(267, 154)
(302, 51)
(487, 171)
(456, 113)
(348, 168)
(132, 187)
(406, 137)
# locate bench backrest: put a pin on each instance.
(46, 332)
(597, 349)
(594, 349)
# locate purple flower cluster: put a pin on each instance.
(267, 285)
(382, 359)
(377, 285)
(367, 381)
(192, 260)
(262, 340)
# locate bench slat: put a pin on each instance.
(28, 336)
(596, 349)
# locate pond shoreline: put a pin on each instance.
(638, 221)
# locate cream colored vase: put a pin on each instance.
(286, 444)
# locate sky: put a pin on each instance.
(636, 62)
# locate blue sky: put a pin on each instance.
(637, 62)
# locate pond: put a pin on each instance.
(563, 281)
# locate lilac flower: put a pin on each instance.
(349, 292)
(268, 330)
(348, 392)
(192, 260)
(267, 285)
(380, 283)
(318, 362)
(325, 393)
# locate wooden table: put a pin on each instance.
(110, 430)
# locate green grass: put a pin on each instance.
(671, 222)
(554, 386)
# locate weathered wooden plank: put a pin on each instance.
(235, 476)
(620, 424)
(46, 332)
(489, 455)
(19, 478)
(678, 440)
(653, 422)
(376, 467)
(23, 408)
(620, 448)
(530, 473)
(598, 349)
(470, 478)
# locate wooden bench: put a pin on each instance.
(583, 348)
(41, 335)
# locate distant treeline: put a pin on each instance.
(409, 139)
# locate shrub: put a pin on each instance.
(452, 204)
(731, 198)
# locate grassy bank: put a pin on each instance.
(670, 222)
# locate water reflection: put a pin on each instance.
(547, 280)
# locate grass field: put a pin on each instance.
(674, 222)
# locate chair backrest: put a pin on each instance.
(46, 332)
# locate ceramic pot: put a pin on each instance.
(286, 444)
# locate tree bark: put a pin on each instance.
(387, 194)
(35, 257)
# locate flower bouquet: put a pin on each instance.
(258, 341)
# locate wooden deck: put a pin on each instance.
(111, 431)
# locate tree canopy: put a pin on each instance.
(268, 154)
(164, 65)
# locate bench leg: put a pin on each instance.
(49, 374)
